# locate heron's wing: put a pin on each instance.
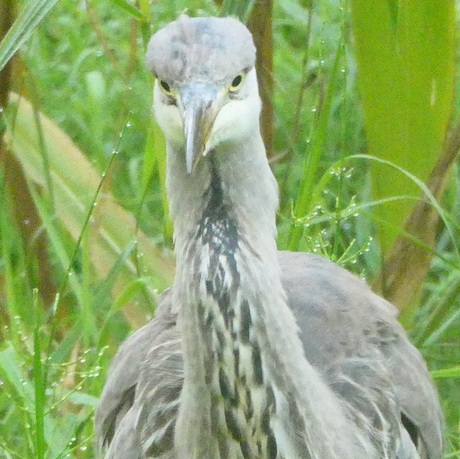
(346, 328)
(115, 418)
(349, 334)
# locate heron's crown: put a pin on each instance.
(201, 49)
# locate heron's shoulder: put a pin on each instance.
(353, 337)
(316, 285)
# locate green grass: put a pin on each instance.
(65, 309)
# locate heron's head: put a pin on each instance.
(205, 91)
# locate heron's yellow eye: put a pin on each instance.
(165, 87)
(237, 82)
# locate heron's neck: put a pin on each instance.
(243, 359)
(237, 179)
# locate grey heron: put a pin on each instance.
(253, 353)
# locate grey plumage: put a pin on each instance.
(253, 353)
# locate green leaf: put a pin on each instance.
(39, 381)
(453, 372)
(159, 147)
(29, 18)
(132, 10)
(10, 369)
(80, 398)
(405, 52)
(75, 182)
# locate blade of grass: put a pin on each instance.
(75, 183)
(430, 330)
(144, 6)
(102, 293)
(56, 242)
(64, 348)
(131, 9)
(444, 316)
(12, 263)
(10, 368)
(311, 164)
(446, 373)
(132, 290)
(69, 268)
(449, 221)
(159, 150)
(39, 384)
(29, 18)
(405, 267)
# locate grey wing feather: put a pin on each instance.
(349, 334)
(339, 318)
(114, 415)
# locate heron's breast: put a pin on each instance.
(242, 399)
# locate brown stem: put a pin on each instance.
(402, 274)
(23, 208)
(261, 26)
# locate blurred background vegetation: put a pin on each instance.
(362, 130)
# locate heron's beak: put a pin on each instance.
(199, 108)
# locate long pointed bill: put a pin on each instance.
(199, 110)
